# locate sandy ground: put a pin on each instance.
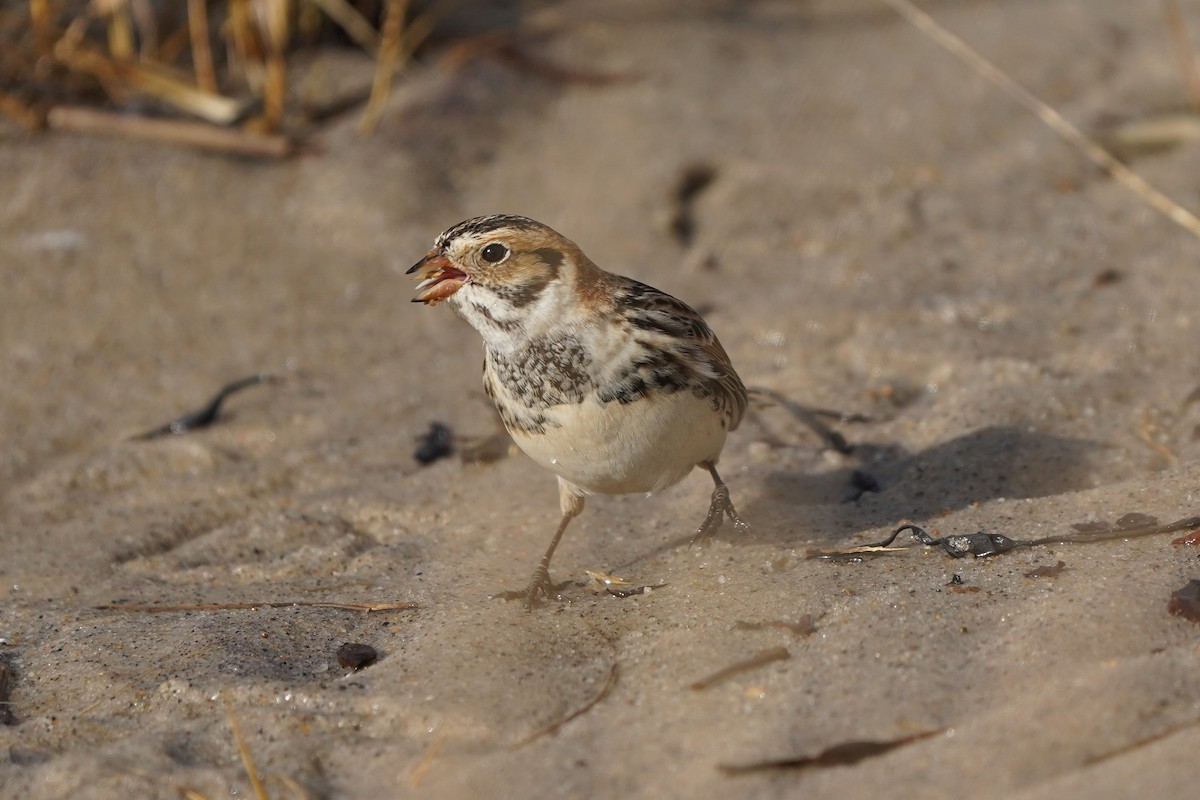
(884, 233)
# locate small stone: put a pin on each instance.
(356, 656)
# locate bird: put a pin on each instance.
(614, 386)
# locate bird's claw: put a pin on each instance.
(717, 510)
(539, 588)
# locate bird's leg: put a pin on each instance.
(720, 506)
(540, 586)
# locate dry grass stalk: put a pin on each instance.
(760, 659)
(39, 17)
(1151, 431)
(202, 63)
(1052, 119)
(39, 12)
(120, 28)
(419, 29)
(391, 55)
(170, 49)
(22, 113)
(157, 82)
(276, 29)
(293, 786)
(119, 77)
(1183, 50)
(168, 131)
(422, 768)
(367, 607)
(7, 681)
(245, 51)
(352, 22)
(1140, 743)
(260, 791)
(147, 28)
(74, 54)
(609, 681)
(130, 57)
(1154, 133)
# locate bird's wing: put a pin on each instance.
(682, 347)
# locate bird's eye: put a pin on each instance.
(494, 253)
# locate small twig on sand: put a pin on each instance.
(422, 767)
(156, 609)
(586, 707)
(982, 544)
(762, 659)
(809, 417)
(840, 755)
(207, 415)
(6, 686)
(1140, 743)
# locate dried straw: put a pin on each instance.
(1054, 120)
(202, 63)
(391, 55)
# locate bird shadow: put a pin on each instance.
(883, 484)
(985, 464)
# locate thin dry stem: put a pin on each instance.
(152, 79)
(175, 91)
(147, 28)
(1183, 50)
(71, 51)
(275, 88)
(22, 113)
(246, 51)
(120, 31)
(1148, 431)
(609, 681)
(1140, 743)
(157, 609)
(202, 63)
(1054, 120)
(390, 57)
(761, 659)
(293, 786)
(39, 14)
(352, 22)
(421, 26)
(169, 131)
(422, 766)
(260, 791)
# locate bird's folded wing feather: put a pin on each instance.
(681, 336)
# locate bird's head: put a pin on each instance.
(494, 260)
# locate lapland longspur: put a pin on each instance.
(609, 383)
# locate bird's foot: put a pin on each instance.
(539, 588)
(720, 507)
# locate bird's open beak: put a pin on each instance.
(438, 278)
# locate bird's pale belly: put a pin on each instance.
(610, 448)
